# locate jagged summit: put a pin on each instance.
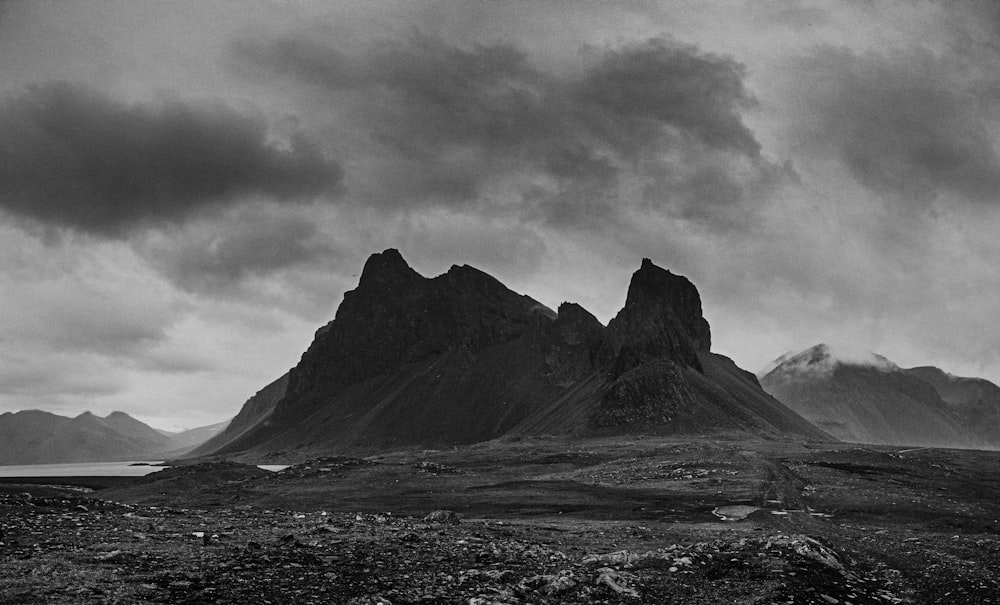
(654, 286)
(386, 268)
(460, 358)
(661, 319)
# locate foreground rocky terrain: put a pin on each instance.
(539, 520)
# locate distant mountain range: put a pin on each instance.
(872, 400)
(36, 437)
(460, 358)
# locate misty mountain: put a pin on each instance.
(36, 437)
(872, 400)
(191, 438)
(460, 358)
(975, 400)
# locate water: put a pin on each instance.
(81, 469)
(96, 469)
(273, 467)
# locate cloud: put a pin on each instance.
(910, 125)
(62, 378)
(483, 127)
(95, 314)
(73, 157)
(220, 256)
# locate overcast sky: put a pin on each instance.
(188, 188)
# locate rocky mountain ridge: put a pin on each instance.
(460, 358)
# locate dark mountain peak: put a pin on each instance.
(661, 320)
(387, 268)
(577, 325)
(657, 289)
(572, 313)
(117, 414)
(396, 316)
(469, 274)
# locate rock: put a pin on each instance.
(444, 517)
(370, 600)
(550, 584)
(619, 582)
(110, 557)
(809, 548)
(435, 468)
(621, 557)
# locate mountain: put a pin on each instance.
(460, 358)
(255, 411)
(36, 437)
(975, 400)
(871, 400)
(192, 438)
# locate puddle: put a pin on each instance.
(736, 512)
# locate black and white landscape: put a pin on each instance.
(462, 299)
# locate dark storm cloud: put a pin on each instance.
(452, 121)
(907, 124)
(73, 157)
(640, 90)
(215, 258)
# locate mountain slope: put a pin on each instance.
(460, 358)
(975, 400)
(194, 437)
(35, 437)
(867, 401)
(255, 411)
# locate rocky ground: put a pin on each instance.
(538, 521)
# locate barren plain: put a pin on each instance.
(541, 520)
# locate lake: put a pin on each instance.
(80, 469)
(95, 469)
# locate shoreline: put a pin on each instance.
(13, 485)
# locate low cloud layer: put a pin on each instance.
(73, 157)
